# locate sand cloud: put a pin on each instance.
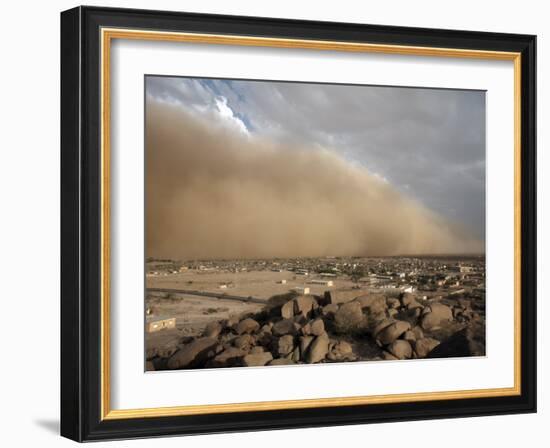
(212, 192)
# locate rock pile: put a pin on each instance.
(307, 329)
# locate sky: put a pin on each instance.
(429, 144)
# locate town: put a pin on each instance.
(186, 299)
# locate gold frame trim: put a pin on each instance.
(107, 35)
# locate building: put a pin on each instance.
(322, 282)
(153, 324)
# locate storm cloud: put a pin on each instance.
(428, 143)
(217, 189)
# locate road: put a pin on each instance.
(216, 295)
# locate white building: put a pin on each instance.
(322, 282)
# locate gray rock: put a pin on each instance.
(318, 349)
(247, 325)
(257, 359)
(193, 354)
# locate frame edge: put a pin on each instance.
(71, 380)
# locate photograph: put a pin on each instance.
(278, 221)
(295, 223)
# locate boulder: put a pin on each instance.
(386, 356)
(149, 366)
(300, 319)
(230, 357)
(151, 352)
(418, 332)
(407, 298)
(163, 343)
(244, 342)
(305, 305)
(409, 335)
(266, 328)
(344, 347)
(295, 355)
(305, 342)
(265, 339)
(318, 349)
(469, 341)
(349, 318)
(393, 303)
(212, 330)
(330, 309)
(384, 323)
(287, 310)
(342, 295)
(401, 349)
(285, 326)
(437, 314)
(231, 322)
(373, 303)
(281, 362)
(285, 345)
(247, 325)
(424, 346)
(193, 354)
(415, 305)
(317, 327)
(257, 359)
(256, 350)
(392, 332)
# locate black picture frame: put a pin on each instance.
(81, 224)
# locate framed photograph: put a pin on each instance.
(273, 223)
